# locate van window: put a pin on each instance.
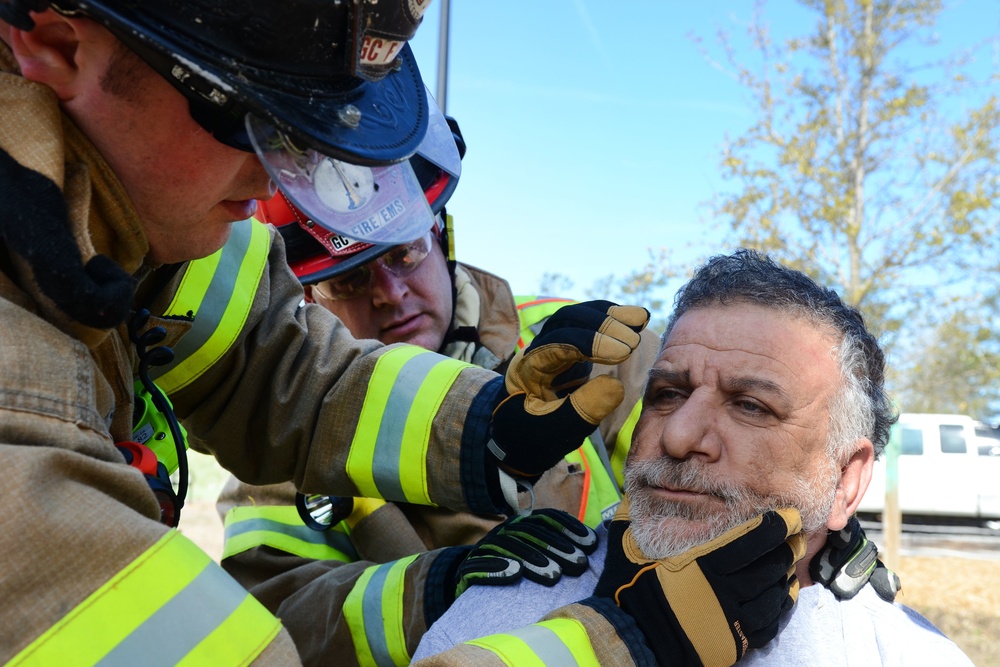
(988, 439)
(952, 439)
(912, 441)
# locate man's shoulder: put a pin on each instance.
(824, 630)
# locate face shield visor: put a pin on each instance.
(383, 205)
(326, 92)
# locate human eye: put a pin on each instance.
(658, 394)
(751, 406)
(350, 284)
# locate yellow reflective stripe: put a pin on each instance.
(172, 585)
(623, 443)
(374, 614)
(600, 492)
(388, 456)
(280, 527)
(219, 291)
(560, 641)
(363, 507)
(532, 311)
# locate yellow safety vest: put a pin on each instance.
(601, 485)
(172, 600)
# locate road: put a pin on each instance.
(930, 538)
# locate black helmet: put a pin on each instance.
(334, 76)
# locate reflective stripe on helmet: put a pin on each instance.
(374, 613)
(172, 600)
(388, 456)
(560, 641)
(218, 292)
(280, 527)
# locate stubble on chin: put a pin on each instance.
(665, 528)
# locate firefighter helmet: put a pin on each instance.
(317, 252)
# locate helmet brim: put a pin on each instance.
(320, 100)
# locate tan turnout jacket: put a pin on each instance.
(74, 514)
(303, 591)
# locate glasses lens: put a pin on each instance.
(382, 205)
(406, 258)
(350, 285)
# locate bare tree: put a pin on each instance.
(873, 173)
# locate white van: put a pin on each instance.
(949, 465)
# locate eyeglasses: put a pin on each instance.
(400, 261)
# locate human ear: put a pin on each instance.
(855, 476)
(58, 51)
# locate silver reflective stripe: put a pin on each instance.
(388, 444)
(546, 644)
(182, 623)
(371, 605)
(597, 440)
(217, 298)
(331, 538)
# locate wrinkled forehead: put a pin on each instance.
(749, 340)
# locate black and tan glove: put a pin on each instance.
(711, 604)
(849, 562)
(541, 546)
(551, 405)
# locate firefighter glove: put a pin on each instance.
(849, 561)
(541, 546)
(552, 404)
(712, 603)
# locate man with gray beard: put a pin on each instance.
(766, 400)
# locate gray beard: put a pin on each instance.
(664, 529)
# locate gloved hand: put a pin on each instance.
(712, 603)
(541, 546)
(550, 405)
(849, 561)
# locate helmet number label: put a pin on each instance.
(377, 51)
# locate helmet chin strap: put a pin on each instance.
(34, 224)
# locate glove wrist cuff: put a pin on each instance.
(627, 630)
(480, 485)
(439, 588)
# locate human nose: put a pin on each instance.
(690, 430)
(255, 173)
(387, 289)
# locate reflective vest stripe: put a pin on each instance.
(600, 494)
(218, 291)
(389, 449)
(374, 613)
(280, 527)
(532, 312)
(623, 443)
(560, 641)
(174, 591)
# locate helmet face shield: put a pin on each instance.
(438, 145)
(378, 205)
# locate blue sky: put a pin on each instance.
(595, 128)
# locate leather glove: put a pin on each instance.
(551, 406)
(540, 546)
(711, 604)
(849, 561)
